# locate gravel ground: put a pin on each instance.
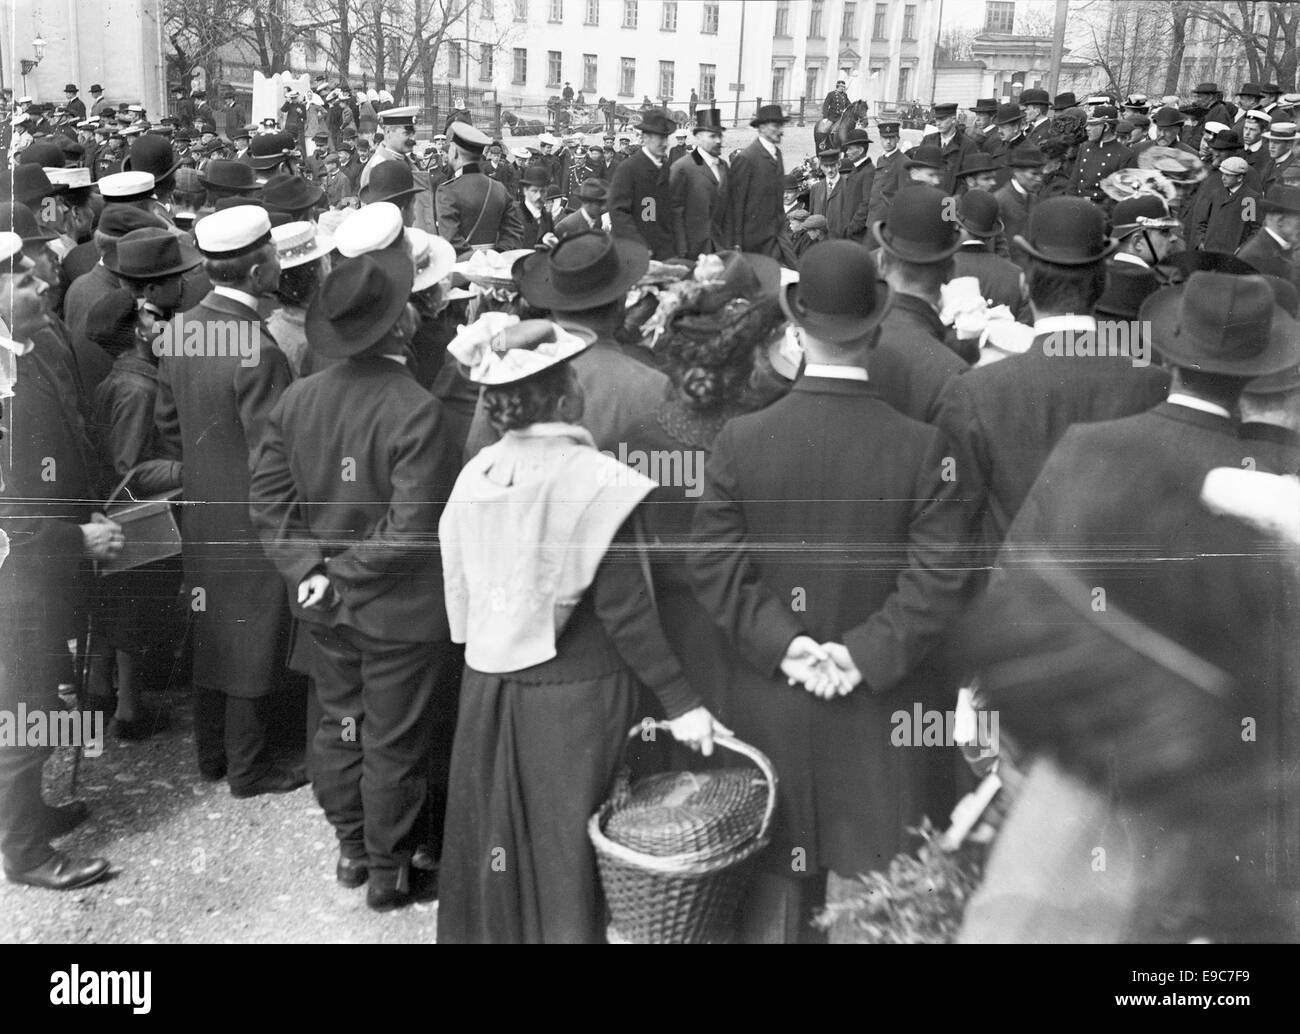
(191, 864)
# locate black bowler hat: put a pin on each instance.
(768, 113)
(359, 302)
(267, 150)
(1282, 198)
(857, 137)
(154, 155)
(839, 296)
(1168, 117)
(829, 154)
(96, 88)
(708, 118)
(977, 213)
(1066, 231)
(1063, 100)
(925, 156)
(389, 181)
(285, 193)
(584, 271)
(657, 122)
(976, 161)
(20, 219)
(30, 184)
(1250, 90)
(1007, 114)
(593, 190)
(918, 228)
(45, 153)
(1223, 323)
(1127, 287)
(229, 175)
(535, 176)
(1034, 97)
(1207, 88)
(1226, 140)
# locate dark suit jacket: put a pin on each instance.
(574, 222)
(757, 217)
(1264, 253)
(1001, 150)
(793, 493)
(1005, 419)
(534, 229)
(859, 181)
(1001, 280)
(1225, 221)
(888, 178)
(1269, 447)
(954, 153)
(211, 413)
(911, 364)
(699, 206)
(80, 261)
(460, 200)
(641, 205)
(838, 207)
(374, 535)
(1013, 209)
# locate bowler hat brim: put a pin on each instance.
(532, 274)
(342, 339)
(911, 251)
(756, 122)
(368, 197)
(189, 258)
(998, 227)
(1059, 258)
(832, 327)
(1183, 346)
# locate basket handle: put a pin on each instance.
(736, 747)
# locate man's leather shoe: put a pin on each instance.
(351, 872)
(212, 773)
(61, 821)
(278, 780)
(389, 889)
(61, 872)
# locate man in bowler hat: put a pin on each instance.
(757, 222)
(640, 200)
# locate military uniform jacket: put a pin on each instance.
(641, 204)
(459, 203)
(1094, 163)
(954, 154)
(885, 184)
(699, 206)
(757, 217)
(211, 413)
(835, 105)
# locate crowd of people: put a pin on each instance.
(406, 394)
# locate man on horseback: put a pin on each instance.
(836, 102)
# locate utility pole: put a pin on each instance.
(1058, 46)
(740, 65)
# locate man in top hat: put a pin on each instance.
(591, 215)
(1226, 214)
(211, 411)
(1002, 282)
(474, 210)
(583, 282)
(1283, 145)
(1146, 229)
(1001, 444)
(1273, 249)
(360, 563)
(399, 139)
(698, 183)
(888, 178)
(859, 178)
(1035, 104)
(1101, 155)
(913, 359)
(952, 142)
(1009, 123)
(640, 199)
(814, 689)
(982, 132)
(73, 105)
(756, 221)
(99, 104)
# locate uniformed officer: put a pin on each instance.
(475, 211)
(399, 139)
(889, 169)
(1100, 156)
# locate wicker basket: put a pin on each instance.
(674, 850)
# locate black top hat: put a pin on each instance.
(21, 220)
(977, 213)
(708, 119)
(593, 190)
(154, 155)
(975, 160)
(150, 254)
(1167, 117)
(839, 296)
(233, 176)
(1282, 198)
(389, 181)
(1226, 140)
(917, 229)
(1035, 97)
(584, 271)
(1067, 231)
(1127, 286)
(768, 113)
(1063, 100)
(287, 193)
(535, 176)
(1223, 323)
(359, 302)
(985, 106)
(925, 156)
(1008, 113)
(657, 122)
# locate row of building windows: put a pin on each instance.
(848, 21)
(591, 13)
(706, 87)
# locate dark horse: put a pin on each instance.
(827, 132)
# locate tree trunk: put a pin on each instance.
(1177, 46)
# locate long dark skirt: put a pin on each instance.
(531, 763)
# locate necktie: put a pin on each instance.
(778, 158)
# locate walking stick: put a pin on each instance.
(83, 689)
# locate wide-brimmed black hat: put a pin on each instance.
(1207, 88)
(985, 106)
(917, 228)
(1029, 157)
(924, 156)
(30, 184)
(1167, 117)
(153, 154)
(977, 213)
(584, 271)
(286, 193)
(233, 176)
(150, 254)
(1281, 198)
(708, 118)
(839, 296)
(45, 153)
(1223, 323)
(19, 219)
(1250, 90)
(535, 176)
(768, 113)
(658, 122)
(976, 161)
(592, 190)
(1008, 113)
(359, 302)
(1067, 231)
(1127, 287)
(389, 181)
(1226, 140)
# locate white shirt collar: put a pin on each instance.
(658, 162)
(1178, 398)
(238, 295)
(711, 161)
(768, 146)
(1070, 321)
(843, 373)
(395, 358)
(1273, 233)
(1124, 256)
